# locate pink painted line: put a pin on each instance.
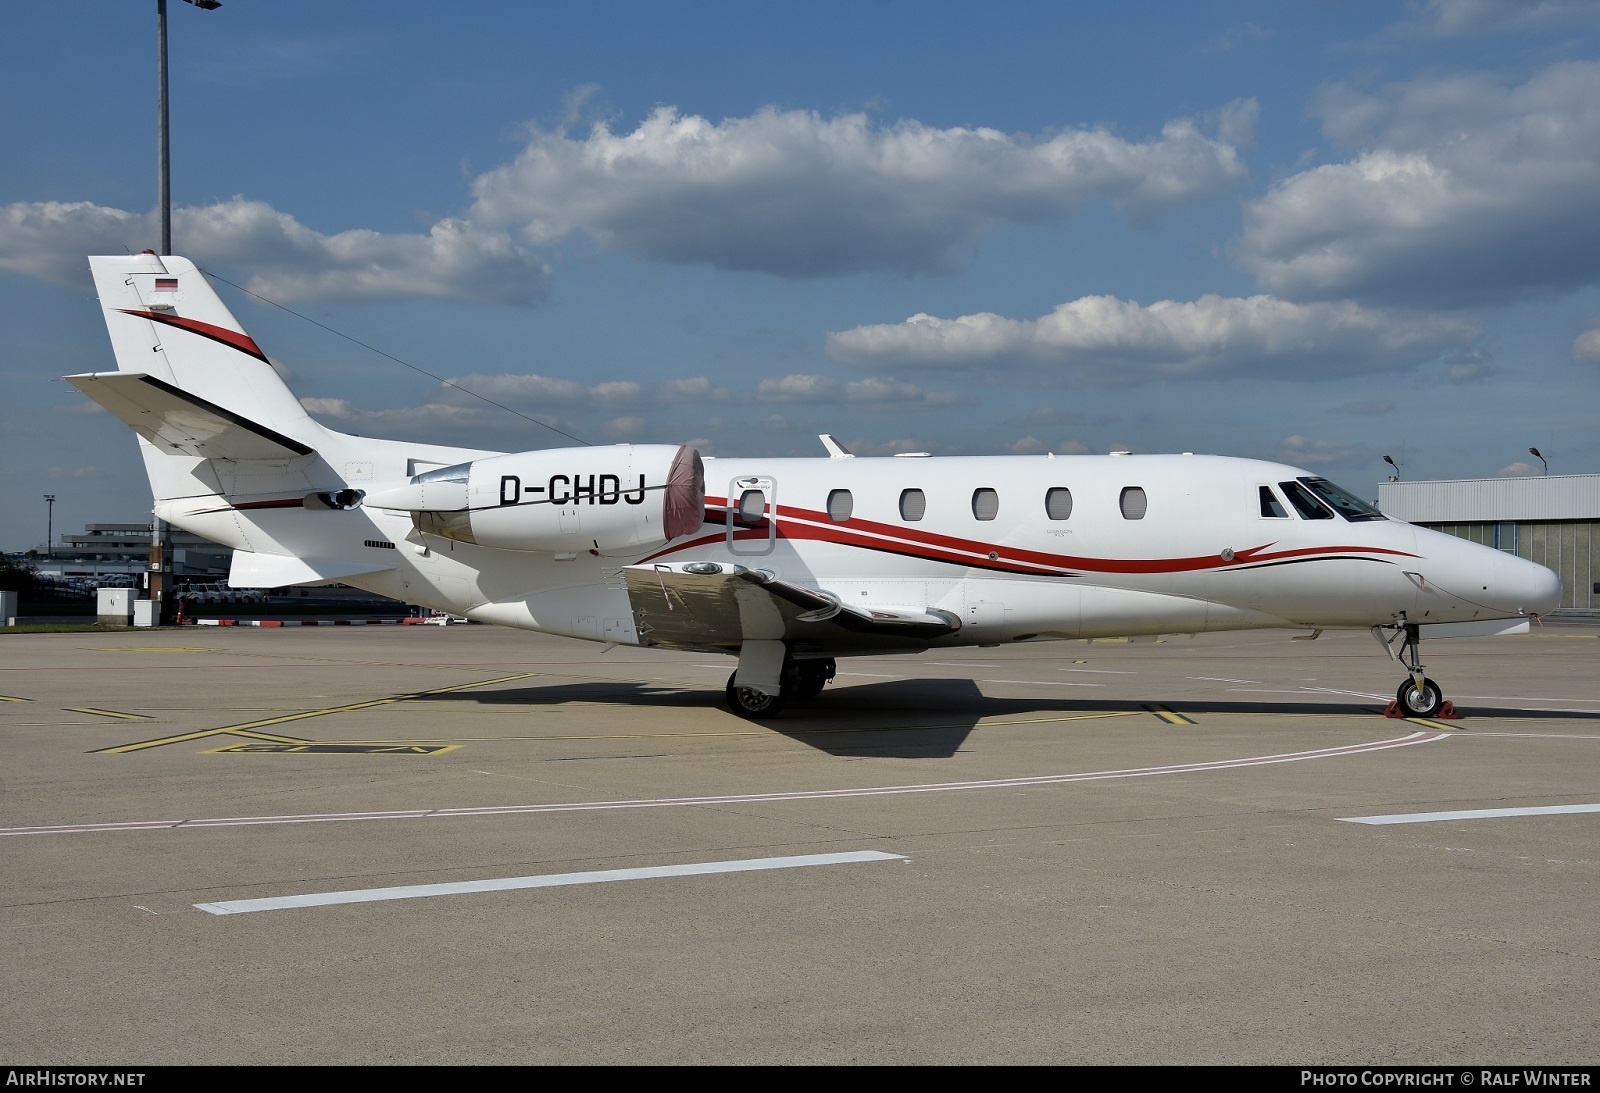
(738, 798)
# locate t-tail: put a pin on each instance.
(229, 450)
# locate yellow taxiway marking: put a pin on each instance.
(1442, 726)
(200, 735)
(1169, 716)
(272, 743)
(333, 747)
(109, 713)
(8, 698)
(55, 724)
(148, 649)
(248, 728)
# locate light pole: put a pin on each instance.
(1535, 453)
(49, 525)
(160, 554)
(1395, 477)
(163, 181)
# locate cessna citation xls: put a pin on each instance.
(787, 564)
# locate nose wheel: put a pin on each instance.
(1418, 696)
(1420, 699)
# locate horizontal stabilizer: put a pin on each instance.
(251, 570)
(176, 421)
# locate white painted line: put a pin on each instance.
(1340, 751)
(1042, 682)
(549, 880)
(1352, 694)
(1470, 814)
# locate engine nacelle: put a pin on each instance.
(559, 499)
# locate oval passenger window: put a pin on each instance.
(1058, 503)
(913, 505)
(1134, 503)
(985, 504)
(840, 505)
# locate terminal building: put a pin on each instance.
(1552, 519)
(105, 550)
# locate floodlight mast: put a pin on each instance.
(160, 580)
(164, 181)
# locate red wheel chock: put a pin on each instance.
(1447, 712)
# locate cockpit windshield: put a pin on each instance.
(1349, 506)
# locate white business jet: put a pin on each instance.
(786, 564)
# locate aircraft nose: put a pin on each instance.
(1525, 587)
(1544, 589)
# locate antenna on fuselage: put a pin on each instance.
(835, 449)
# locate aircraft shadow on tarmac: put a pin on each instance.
(931, 718)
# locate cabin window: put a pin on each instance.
(985, 504)
(1058, 503)
(913, 505)
(1271, 507)
(1306, 505)
(1134, 503)
(752, 506)
(840, 505)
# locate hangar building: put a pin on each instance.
(1552, 519)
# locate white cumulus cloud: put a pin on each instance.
(1465, 190)
(873, 391)
(1107, 340)
(287, 260)
(1587, 346)
(1455, 18)
(799, 195)
(547, 390)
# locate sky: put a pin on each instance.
(1316, 232)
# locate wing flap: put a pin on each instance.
(715, 604)
(176, 421)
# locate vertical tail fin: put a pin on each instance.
(166, 321)
(190, 381)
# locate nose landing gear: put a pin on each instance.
(1418, 696)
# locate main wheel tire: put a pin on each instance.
(751, 703)
(812, 676)
(1420, 703)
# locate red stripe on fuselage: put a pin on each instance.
(810, 524)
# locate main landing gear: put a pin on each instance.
(800, 680)
(1418, 696)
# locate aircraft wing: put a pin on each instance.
(251, 570)
(706, 605)
(177, 421)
